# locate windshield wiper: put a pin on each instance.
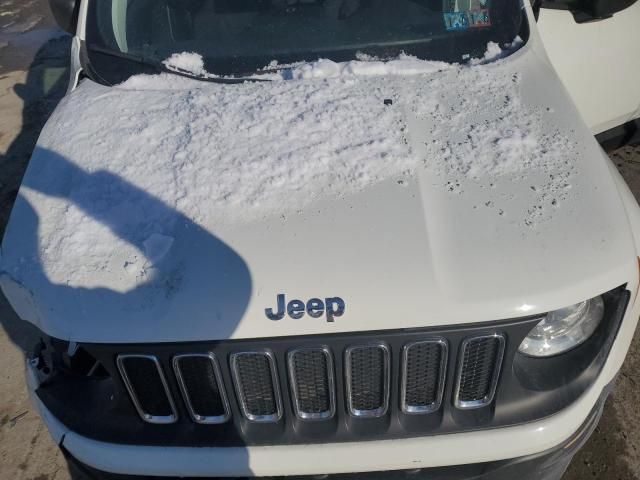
(160, 67)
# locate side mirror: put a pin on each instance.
(598, 9)
(589, 10)
(66, 14)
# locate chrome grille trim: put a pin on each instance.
(382, 410)
(488, 398)
(330, 382)
(203, 419)
(277, 415)
(444, 353)
(146, 416)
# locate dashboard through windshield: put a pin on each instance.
(238, 37)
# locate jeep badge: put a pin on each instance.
(332, 307)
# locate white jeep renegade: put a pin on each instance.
(331, 237)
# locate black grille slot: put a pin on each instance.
(367, 376)
(480, 362)
(147, 387)
(202, 388)
(424, 365)
(257, 385)
(312, 383)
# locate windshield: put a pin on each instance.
(238, 37)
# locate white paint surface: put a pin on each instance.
(598, 63)
(478, 191)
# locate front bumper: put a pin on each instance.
(485, 454)
(549, 465)
(487, 450)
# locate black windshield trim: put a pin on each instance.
(158, 67)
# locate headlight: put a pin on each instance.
(564, 329)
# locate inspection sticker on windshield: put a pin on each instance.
(466, 19)
(479, 18)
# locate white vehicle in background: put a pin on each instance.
(327, 237)
(594, 50)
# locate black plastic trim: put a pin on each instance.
(66, 14)
(616, 137)
(101, 409)
(585, 11)
(547, 465)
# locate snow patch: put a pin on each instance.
(188, 62)
(235, 153)
(495, 52)
(215, 154)
(483, 133)
(364, 65)
(402, 65)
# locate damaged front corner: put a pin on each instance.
(56, 429)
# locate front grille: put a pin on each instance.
(299, 387)
(201, 386)
(423, 375)
(256, 381)
(480, 361)
(367, 378)
(312, 383)
(147, 388)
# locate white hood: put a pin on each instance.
(165, 211)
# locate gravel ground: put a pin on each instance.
(33, 77)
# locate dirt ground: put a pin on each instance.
(33, 77)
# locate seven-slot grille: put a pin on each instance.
(480, 361)
(366, 370)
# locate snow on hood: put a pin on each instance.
(226, 155)
(248, 149)
(193, 63)
(324, 68)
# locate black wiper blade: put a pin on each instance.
(160, 67)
